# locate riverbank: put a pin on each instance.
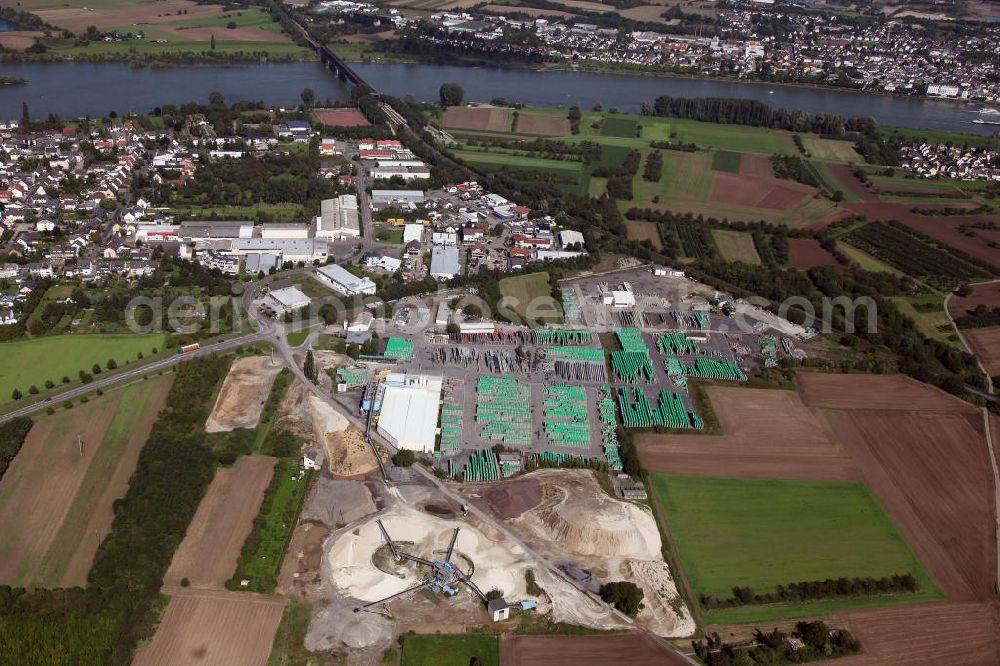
(12, 81)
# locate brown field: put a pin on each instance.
(881, 392)
(842, 173)
(756, 166)
(985, 344)
(56, 505)
(651, 13)
(588, 6)
(370, 37)
(491, 118)
(544, 125)
(631, 649)
(340, 117)
(530, 11)
(644, 232)
(243, 394)
(766, 434)
(208, 628)
(758, 192)
(18, 40)
(508, 499)
(77, 18)
(965, 633)
(207, 555)
(204, 34)
(807, 253)
(982, 294)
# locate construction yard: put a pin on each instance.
(243, 394)
(56, 499)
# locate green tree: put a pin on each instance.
(33, 390)
(623, 595)
(451, 94)
(112, 364)
(212, 42)
(404, 458)
(308, 97)
(25, 114)
(16, 395)
(309, 367)
(96, 369)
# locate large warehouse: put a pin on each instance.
(286, 300)
(408, 417)
(338, 218)
(344, 282)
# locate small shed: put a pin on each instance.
(498, 609)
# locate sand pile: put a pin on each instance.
(348, 452)
(577, 521)
(578, 516)
(351, 571)
(337, 625)
(243, 394)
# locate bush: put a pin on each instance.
(16, 394)
(112, 364)
(623, 595)
(404, 458)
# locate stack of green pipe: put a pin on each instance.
(352, 378)
(503, 409)
(716, 369)
(676, 343)
(562, 337)
(399, 349)
(482, 466)
(589, 354)
(451, 429)
(565, 416)
(638, 412)
(630, 366)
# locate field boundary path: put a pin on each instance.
(987, 429)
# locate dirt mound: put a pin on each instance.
(348, 452)
(243, 394)
(337, 502)
(509, 499)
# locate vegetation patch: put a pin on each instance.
(530, 297)
(621, 126)
(443, 650)
(736, 246)
(726, 160)
(760, 534)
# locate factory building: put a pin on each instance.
(285, 230)
(409, 412)
(444, 262)
(289, 249)
(338, 218)
(344, 282)
(285, 300)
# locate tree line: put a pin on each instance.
(816, 589)
(12, 435)
(774, 647)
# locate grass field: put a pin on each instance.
(865, 260)
(932, 323)
(32, 362)
(623, 126)
(764, 533)
(436, 650)
(296, 338)
(738, 138)
(262, 212)
(530, 296)
(498, 158)
(389, 235)
(644, 232)
(832, 183)
(736, 246)
(56, 504)
(726, 160)
(831, 150)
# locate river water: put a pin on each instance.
(76, 89)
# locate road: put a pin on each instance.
(364, 206)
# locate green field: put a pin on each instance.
(832, 183)
(726, 160)
(738, 138)
(437, 650)
(530, 297)
(765, 533)
(865, 260)
(736, 246)
(622, 126)
(296, 338)
(497, 160)
(389, 235)
(831, 150)
(932, 323)
(262, 212)
(32, 362)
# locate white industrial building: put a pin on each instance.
(338, 218)
(289, 249)
(569, 237)
(444, 262)
(285, 300)
(412, 232)
(282, 230)
(385, 197)
(344, 282)
(619, 299)
(409, 412)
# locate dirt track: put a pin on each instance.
(207, 555)
(243, 394)
(630, 649)
(206, 628)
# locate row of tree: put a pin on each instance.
(816, 589)
(775, 647)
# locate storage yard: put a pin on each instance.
(556, 395)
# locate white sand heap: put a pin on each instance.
(583, 520)
(497, 566)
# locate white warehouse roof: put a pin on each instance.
(410, 405)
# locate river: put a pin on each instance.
(76, 89)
